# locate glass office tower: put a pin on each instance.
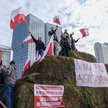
(22, 50)
(101, 52)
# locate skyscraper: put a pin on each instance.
(101, 52)
(22, 50)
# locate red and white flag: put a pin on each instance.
(28, 40)
(16, 17)
(57, 20)
(26, 66)
(84, 32)
(48, 51)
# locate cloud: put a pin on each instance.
(74, 14)
(81, 2)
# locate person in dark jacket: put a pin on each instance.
(52, 32)
(73, 41)
(40, 46)
(66, 33)
(65, 47)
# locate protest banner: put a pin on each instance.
(90, 74)
(48, 96)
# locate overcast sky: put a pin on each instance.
(74, 14)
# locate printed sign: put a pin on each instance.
(48, 96)
(90, 74)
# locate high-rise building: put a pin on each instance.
(22, 50)
(101, 52)
(6, 55)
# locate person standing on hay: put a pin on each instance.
(52, 32)
(40, 46)
(65, 47)
(73, 41)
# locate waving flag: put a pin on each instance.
(84, 32)
(28, 40)
(48, 51)
(16, 17)
(56, 20)
(26, 66)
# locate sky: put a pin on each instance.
(73, 14)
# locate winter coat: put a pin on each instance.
(53, 33)
(10, 75)
(39, 44)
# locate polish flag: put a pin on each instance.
(56, 20)
(26, 66)
(16, 17)
(48, 51)
(84, 32)
(28, 40)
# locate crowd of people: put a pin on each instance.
(8, 75)
(67, 42)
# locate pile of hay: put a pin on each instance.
(60, 71)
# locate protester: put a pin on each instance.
(73, 41)
(52, 32)
(40, 46)
(10, 79)
(66, 34)
(65, 47)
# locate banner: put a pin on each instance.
(48, 96)
(90, 74)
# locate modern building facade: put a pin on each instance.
(21, 50)
(101, 52)
(6, 55)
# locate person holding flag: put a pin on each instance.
(52, 32)
(73, 41)
(40, 46)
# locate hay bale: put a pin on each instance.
(60, 71)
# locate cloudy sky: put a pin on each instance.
(74, 14)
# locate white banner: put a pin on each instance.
(48, 96)
(90, 74)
